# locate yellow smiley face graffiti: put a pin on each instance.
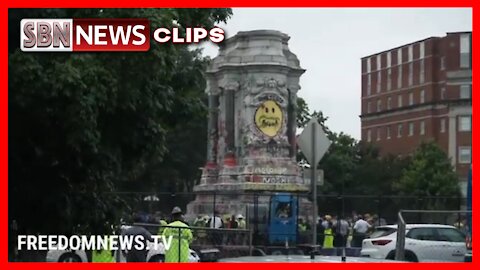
(269, 118)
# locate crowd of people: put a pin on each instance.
(337, 231)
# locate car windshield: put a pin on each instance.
(382, 231)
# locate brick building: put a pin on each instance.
(419, 92)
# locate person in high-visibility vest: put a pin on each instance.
(328, 232)
(103, 256)
(182, 237)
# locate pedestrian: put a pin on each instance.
(231, 235)
(341, 232)
(241, 222)
(137, 253)
(216, 223)
(181, 238)
(302, 230)
(328, 232)
(320, 231)
(360, 230)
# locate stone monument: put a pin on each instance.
(252, 87)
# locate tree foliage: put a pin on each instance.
(357, 168)
(81, 125)
(430, 174)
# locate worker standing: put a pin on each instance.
(181, 238)
(328, 232)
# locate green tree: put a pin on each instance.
(430, 174)
(82, 125)
(302, 111)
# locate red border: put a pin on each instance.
(206, 3)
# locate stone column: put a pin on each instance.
(213, 102)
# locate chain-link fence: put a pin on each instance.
(261, 214)
(256, 223)
(423, 235)
(204, 241)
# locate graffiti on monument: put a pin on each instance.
(275, 180)
(269, 118)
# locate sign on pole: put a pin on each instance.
(305, 142)
(314, 144)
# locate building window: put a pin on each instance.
(410, 98)
(379, 61)
(422, 96)
(465, 91)
(399, 130)
(443, 93)
(442, 63)
(389, 79)
(422, 50)
(399, 56)
(388, 132)
(411, 129)
(422, 127)
(422, 71)
(369, 135)
(369, 65)
(464, 154)
(389, 103)
(369, 84)
(443, 125)
(378, 134)
(400, 101)
(465, 51)
(369, 107)
(379, 81)
(389, 59)
(379, 105)
(410, 53)
(410, 74)
(399, 78)
(464, 123)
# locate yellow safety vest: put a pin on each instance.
(104, 255)
(181, 238)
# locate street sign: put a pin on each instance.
(307, 174)
(305, 141)
(314, 144)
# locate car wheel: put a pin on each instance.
(69, 257)
(410, 257)
(391, 256)
(157, 258)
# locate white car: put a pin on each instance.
(156, 253)
(423, 242)
(66, 256)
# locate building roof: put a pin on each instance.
(404, 45)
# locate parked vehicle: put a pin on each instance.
(468, 240)
(302, 259)
(156, 253)
(423, 242)
(67, 256)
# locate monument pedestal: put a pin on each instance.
(252, 86)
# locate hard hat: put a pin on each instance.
(176, 210)
(239, 216)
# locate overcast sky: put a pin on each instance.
(330, 42)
